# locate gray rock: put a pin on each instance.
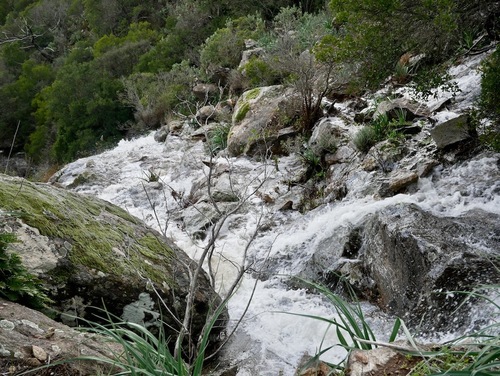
(391, 107)
(398, 181)
(414, 258)
(199, 217)
(255, 122)
(247, 55)
(90, 253)
(202, 92)
(162, 134)
(205, 113)
(451, 128)
(32, 338)
(325, 136)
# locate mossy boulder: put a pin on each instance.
(258, 117)
(90, 253)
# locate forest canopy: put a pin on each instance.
(78, 75)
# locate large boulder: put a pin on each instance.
(257, 119)
(29, 339)
(90, 253)
(412, 261)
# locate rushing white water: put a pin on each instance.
(268, 341)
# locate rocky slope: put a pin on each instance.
(404, 221)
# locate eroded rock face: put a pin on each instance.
(29, 339)
(411, 258)
(90, 253)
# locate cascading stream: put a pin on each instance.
(159, 183)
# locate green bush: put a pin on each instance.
(260, 73)
(489, 102)
(374, 34)
(225, 47)
(16, 283)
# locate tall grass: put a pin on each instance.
(472, 354)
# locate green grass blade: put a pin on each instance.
(395, 330)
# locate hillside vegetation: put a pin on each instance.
(78, 75)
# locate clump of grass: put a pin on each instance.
(365, 138)
(381, 128)
(217, 138)
(315, 168)
(141, 352)
(476, 353)
(151, 176)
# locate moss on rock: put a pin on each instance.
(91, 251)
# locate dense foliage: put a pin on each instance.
(77, 75)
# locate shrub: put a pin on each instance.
(153, 96)
(291, 52)
(224, 47)
(374, 34)
(260, 73)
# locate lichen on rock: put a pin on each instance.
(91, 255)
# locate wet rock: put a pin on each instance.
(199, 217)
(391, 108)
(344, 154)
(451, 128)
(398, 181)
(91, 254)
(325, 136)
(162, 134)
(414, 257)
(425, 167)
(256, 119)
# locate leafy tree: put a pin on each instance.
(490, 99)
(114, 16)
(153, 96)
(16, 101)
(87, 118)
(374, 34)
